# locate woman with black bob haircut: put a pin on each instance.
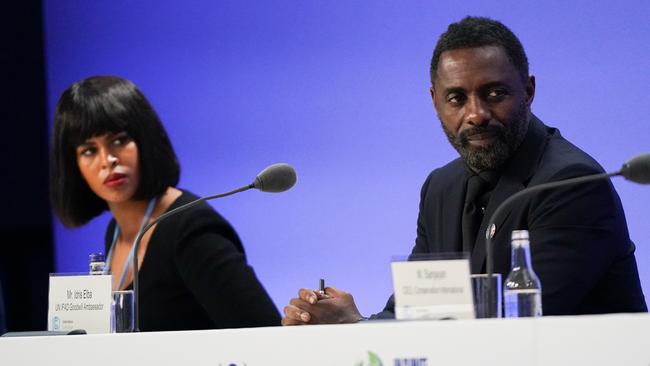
(111, 152)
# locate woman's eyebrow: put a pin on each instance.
(87, 142)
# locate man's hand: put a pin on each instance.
(312, 307)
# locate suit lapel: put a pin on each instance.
(515, 177)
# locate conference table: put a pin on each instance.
(617, 339)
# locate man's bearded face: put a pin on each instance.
(507, 136)
(483, 103)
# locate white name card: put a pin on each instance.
(80, 302)
(433, 289)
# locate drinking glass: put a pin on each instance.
(122, 312)
(483, 299)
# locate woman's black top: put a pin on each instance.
(194, 275)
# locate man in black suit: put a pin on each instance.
(581, 249)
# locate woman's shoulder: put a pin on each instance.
(184, 198)
(200, 217)
(202, 209)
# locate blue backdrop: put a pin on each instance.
(340, 90)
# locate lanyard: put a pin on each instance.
(116, 234)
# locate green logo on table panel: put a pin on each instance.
(373, 360)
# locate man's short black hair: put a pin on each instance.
(93, 107)
(472, 32)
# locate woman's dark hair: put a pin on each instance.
(93, 107)
(472, 32)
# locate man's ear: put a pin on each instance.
(530, 90)
(432, 91)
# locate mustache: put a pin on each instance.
(496, 129)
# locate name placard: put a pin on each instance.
(433, 289)
(80, 302)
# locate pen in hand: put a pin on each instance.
(320, 293)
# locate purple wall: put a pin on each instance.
(341, 92)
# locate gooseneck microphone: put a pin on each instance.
(636, 170)
(274, 178)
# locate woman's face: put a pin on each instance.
(109, 164)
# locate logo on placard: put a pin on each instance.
(418, 361)
(373, 360)
(56, 323)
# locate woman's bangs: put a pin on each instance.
(87, 127)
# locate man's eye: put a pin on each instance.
(497, 93)
(455, 98)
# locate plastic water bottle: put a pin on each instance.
(97, 263)
(522, 289)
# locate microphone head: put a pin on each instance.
(275, 178)
(637, 169)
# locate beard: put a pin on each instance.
(508, 135)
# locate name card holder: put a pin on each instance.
(433, 287)
(80, 301)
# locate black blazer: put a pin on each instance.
(580, 245)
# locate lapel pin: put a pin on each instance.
(489, 233)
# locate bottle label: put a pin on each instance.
(522, 303)
(97, 268)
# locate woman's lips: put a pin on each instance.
(115, 179)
